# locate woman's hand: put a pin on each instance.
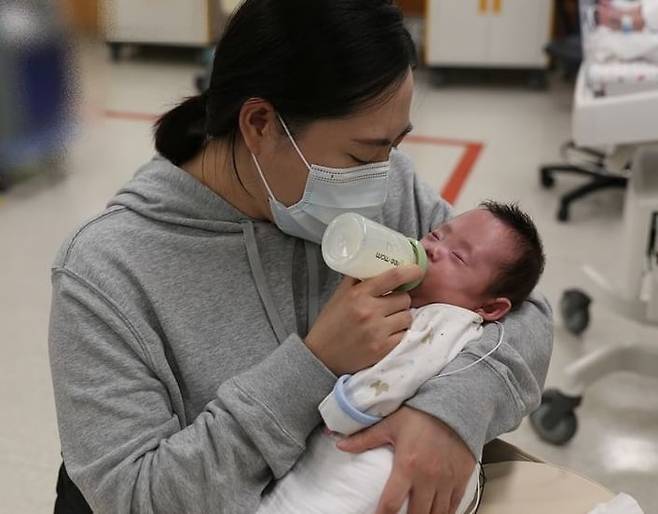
(431, 467)
(362, 323)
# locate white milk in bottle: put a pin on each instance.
(361, 248)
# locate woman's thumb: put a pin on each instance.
(368, 439)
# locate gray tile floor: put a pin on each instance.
(618, 439)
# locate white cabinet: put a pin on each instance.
(456, 32)
(172, 22)
(488, 33)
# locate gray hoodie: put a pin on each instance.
(181, 378)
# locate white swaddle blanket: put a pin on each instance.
(327, 480)
(607, 45)
(622, 78)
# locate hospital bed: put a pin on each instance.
(614, 107)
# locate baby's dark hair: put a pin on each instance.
(517, 279)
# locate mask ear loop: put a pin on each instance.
(260, 172)
(294, 143)
(500, 341)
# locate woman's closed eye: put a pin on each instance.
(379, 157)
(359, 161)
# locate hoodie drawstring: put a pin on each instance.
(261, 283)
(313, 283)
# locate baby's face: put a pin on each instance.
(464, 257)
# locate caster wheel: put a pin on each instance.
(555, 420)
(574, 308)
(547, 180)
(563, 213)
(559, 433)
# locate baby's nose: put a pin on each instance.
(437, 251)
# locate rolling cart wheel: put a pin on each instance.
(555, 420)
(574, 308)
(547, 180)
(563, 213)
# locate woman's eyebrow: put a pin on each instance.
(384, 141)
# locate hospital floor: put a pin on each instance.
(471, 141)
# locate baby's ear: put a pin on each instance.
(493, 310)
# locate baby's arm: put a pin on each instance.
(437, 334)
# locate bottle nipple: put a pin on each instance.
(421, 261)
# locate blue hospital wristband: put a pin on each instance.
(349, 409)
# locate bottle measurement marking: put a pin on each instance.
(387, 258)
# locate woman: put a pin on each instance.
(194, 326)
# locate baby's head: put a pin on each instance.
(487, 260)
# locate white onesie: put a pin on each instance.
(327, 480)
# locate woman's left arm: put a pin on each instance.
(492, 397)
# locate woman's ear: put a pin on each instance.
(493, 310)
(259, 125)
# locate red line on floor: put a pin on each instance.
(130, 116)
(451, 189)
(457, 179)
(454, 185)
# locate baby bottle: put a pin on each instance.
(361, 248)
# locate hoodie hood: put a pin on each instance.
(164, 192)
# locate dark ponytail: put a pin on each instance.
(311, 59)
(181, 133)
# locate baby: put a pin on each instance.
(628, 15)
(481, 265)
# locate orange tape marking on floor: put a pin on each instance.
(131, 116)
(451, 189)
(455, 184)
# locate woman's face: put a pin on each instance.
(365, 137)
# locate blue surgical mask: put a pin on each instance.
(329, 192)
